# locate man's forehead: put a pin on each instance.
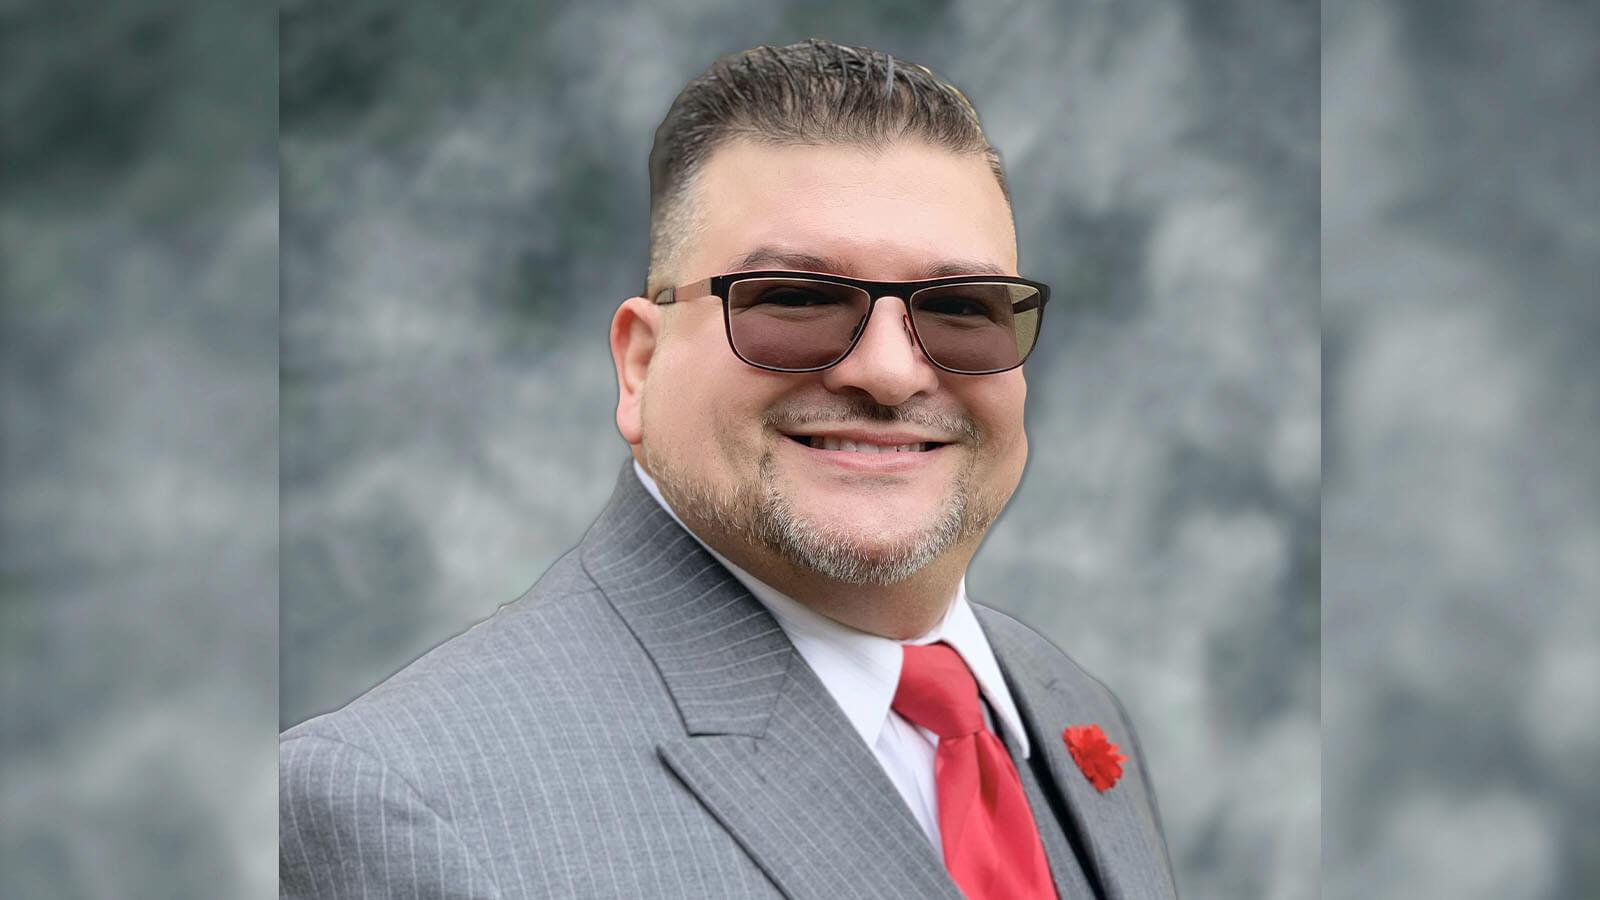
(905, 211)
(778, 257)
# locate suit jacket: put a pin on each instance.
(637, 725)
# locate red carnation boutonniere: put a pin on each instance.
(1099, 759)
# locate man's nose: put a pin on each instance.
(887, 363)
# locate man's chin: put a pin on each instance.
(848, 538)
(867, 517)
(872, 549)
(873, 545)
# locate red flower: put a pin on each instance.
(1099, 759)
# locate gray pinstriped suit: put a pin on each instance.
(638, 725)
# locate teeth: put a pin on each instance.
(832, 443)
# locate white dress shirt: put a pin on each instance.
(862, 672)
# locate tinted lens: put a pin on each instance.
(794, 323)
(976, 328)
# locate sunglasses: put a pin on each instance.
(808, 322)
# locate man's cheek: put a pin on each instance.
(725, 436)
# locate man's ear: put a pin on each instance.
(635, 334)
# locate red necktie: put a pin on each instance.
(991, 845)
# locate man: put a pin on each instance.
(758, 675)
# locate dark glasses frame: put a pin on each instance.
(720, 286)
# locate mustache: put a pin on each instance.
(847, 409)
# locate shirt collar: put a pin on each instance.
(861, 670)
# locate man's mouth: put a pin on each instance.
(828, 442)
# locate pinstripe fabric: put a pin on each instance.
(1048, 817)
(1118, 832)
(637, 725)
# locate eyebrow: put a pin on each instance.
(807, 262)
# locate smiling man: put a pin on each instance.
(881, 471)
(759, 674)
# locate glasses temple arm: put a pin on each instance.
(684, 292)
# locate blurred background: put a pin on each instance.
(138, 450)
(463, 203)
(1461, 495)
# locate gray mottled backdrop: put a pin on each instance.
(138, 450)
(464, 203)
(1461, 519)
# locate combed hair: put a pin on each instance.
(811, 93)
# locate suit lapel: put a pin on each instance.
(810, 804)
(767, 750)
(1126, 854)
(1065, 865)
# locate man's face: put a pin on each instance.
(732, 446)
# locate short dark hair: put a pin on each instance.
(811, 93)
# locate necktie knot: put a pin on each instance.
(938, 692)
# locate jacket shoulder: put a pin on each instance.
(549, 659)
(349, 824)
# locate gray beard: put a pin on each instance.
(758, 513)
